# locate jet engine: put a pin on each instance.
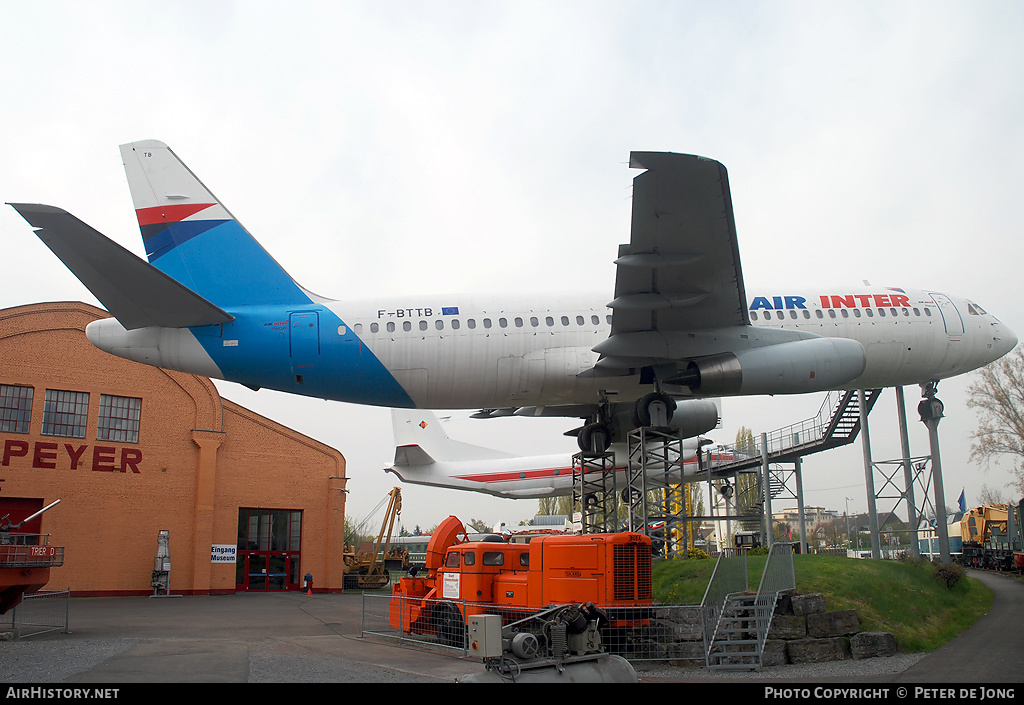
(796, 367)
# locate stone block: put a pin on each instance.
(829, 624)
(774, 653)
(811, 603)
(686, 653)
(818, 650)
(679, 623)
(788, 626)
(872, 644)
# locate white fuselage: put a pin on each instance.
(463, 352)
(515, 354)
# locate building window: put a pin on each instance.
(119, 419)
(15, 408)
(65, 413)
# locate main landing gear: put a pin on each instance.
(654, 409)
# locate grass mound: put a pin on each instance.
(902, 597)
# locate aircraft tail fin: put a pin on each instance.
(420, 440)
(137, 294)
(190, 236)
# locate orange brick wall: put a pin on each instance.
(202, 458)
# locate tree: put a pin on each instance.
(832, 532)
(480, 526)
(557, 505)
(748, 499)
(997, 394)
(989, 495)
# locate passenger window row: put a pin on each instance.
(485, 323)
(841, 312)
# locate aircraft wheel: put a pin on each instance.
(629, 495)
(594, 438)
(451, 630)
(653, 409)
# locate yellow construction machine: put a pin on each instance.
(366, 569)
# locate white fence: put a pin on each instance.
(39, 613)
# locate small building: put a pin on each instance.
(133, 450)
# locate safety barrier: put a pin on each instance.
(728, 578)
(779, 575)
(39, 613)
(29, 551)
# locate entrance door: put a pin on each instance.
(255, 572)
(267, 573)
(305, 340)
(950, 316)
(268, 556)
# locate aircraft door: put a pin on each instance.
(950, 316)
(304, 339)
(520, 378)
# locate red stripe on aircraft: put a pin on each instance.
(515, 475)
(169, 214)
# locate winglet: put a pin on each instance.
(136, 293)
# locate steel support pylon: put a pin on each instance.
(594, 492)
(654, 492)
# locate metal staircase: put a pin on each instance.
(736, 622)
(836, 424)
(734, 644)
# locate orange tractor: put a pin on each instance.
(608, 576)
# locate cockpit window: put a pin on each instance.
(974, 309)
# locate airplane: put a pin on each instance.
(426, 455)
(679, 328)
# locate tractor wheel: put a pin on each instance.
(451, 630)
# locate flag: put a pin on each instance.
(961, 503)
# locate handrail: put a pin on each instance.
(779, 575)
(728, 578)
(29, 554)
(811, 434)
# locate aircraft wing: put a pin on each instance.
(136, 293)
(680, 272)
(680, 310)
(681, 269)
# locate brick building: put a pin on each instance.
(131, 450)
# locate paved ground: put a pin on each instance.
(295, 638)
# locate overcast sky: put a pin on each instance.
(410, 147)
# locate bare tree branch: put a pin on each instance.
(997, 396)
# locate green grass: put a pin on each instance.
(902, 597)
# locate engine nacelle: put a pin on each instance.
(694, 417)
(796, 367)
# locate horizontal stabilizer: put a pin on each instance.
(136, 293)
(420, 440)
(412, 455)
